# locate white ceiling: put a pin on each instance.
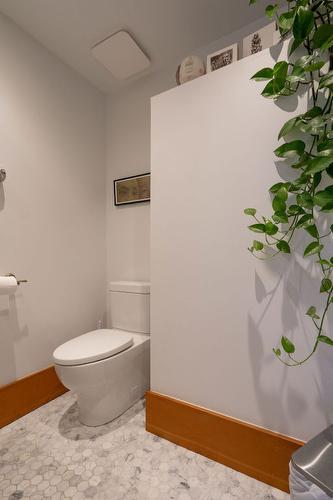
(165, 29)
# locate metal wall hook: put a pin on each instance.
(3, 174)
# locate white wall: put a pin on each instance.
(128, 153)
(52, 205)
(216, 311)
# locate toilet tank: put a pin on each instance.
(129, 303)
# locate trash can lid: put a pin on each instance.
(315, 460)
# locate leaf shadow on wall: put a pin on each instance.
(295, 289)
(11, 333)
(272, 415)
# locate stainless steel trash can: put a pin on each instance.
(311, 469)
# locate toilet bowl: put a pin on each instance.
(108, 369)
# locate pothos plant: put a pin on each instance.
(303, 203)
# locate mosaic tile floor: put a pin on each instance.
(49, 454)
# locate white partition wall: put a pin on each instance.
(216, 311)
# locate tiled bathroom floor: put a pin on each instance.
(49, 454)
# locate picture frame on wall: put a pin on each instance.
(222, 58)
(134, 189)
(259, 40)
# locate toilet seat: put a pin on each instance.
(92, 346)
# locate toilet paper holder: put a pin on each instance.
(18, 281)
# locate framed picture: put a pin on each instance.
(259, 40)
(222, 58)
(135, 189)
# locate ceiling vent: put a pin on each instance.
(121, 55)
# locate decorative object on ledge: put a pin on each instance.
(191, 67)
(259, 40)
(3, 174)
(135, 189)
(222, 58)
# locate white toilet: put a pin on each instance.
(108, 369)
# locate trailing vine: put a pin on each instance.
(304, 202)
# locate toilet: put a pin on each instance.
(109, 369)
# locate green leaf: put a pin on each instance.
(288, 127)
(295, 45)
(312, 113)
(304, 200)
(326, 80)
(323, 37)
(287, 345)
(257, 228)
(263, 74)
(278, 204)
(329, 171)
(328, 207)
(251, 2)
(325, 148)
(326, 285)
(273, 88)
(312, 312)
(304, 221)
(313, 248)
(277, 352)
(258, 245)
(290, 149)
(280, 217)
(286, 20)
(304, 61)
(315, 66)
(321, 198)
(250, 211)
(325, 262)
(303, 24)
(282, 193)
(317, 179)
(283, 246)
(319, 164)
(271, 228)
(295, 210)
(312, 230)
(325, 340)
(280, 70)
(271, 10)
(276, 187)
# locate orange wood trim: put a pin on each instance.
(255, 451)
(28, 393)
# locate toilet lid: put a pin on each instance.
(92, 346)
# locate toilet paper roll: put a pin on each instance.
(8, 285)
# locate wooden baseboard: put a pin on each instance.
(255, 451)
(28, 393)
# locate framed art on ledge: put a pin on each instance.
(222, 58)
(260, 40)
(135, 189)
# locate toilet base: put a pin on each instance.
(96, 420)
(107, 388)
(101, 409)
